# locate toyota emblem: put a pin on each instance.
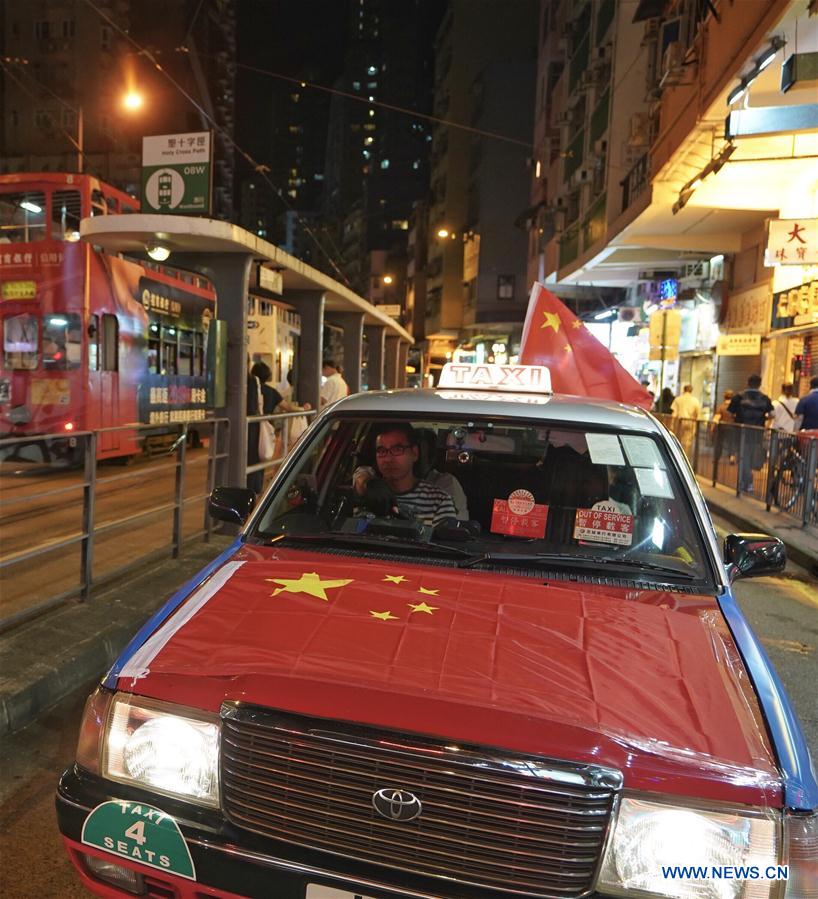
(396, 805)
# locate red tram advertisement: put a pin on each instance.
(91, 340)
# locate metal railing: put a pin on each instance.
(35, 513)
(775, 467)
(283, 441)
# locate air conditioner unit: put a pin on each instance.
(561, 203)
(565, 118)
(600, 147)
(581, 176)
(602, 53)
(651, 32)
(672, 60)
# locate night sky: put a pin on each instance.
(300, 39)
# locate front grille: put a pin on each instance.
(514, 826)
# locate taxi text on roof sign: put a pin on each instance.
(527, 378)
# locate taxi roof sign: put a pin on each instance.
(514, 378)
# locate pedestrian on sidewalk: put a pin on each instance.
(685, 410)
(751, 408)
(808, 407)
(335, 387)
(665, 402)
(725, 432)
(784, 417)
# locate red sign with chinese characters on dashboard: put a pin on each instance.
(519, 516)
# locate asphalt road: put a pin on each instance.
(782, 610)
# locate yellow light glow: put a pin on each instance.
(443, 232)
(133, 100)
(387, 279)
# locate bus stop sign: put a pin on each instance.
(176, 173)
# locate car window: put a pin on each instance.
(528, 489)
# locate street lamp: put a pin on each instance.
(132, 100)
(442, 233)
(387, 279)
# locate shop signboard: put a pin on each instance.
(665, 334)
(796, 306)
(176, 173)
(393, 310)
(748, 312)
(738, 345)
(792, 242)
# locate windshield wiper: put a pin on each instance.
(568, 560)
(381, 542)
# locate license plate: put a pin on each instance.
(316, 891)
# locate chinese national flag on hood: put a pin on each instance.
(580, 365)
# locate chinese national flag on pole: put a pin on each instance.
(579, 363)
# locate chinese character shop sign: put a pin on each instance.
(176, 171)
(792, 242)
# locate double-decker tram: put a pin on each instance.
(90, 340)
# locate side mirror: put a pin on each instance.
(231, 504)
(753, 555)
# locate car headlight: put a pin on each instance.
(691, 853)
(152, 744)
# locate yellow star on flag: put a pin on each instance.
(383, 616)
(395, 578)
(428, 592)
(576, 323)
(552, 320)
(421, 607)
(308, 583)
(567, 347)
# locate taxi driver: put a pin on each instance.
(396, 452)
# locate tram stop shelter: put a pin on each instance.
(227, 255)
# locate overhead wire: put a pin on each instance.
(482, 132)
(258, 168)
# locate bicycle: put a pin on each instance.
(790, 476)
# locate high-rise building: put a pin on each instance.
(66, 69)
(477, 189)
(378, 155)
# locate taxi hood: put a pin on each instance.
(646, 681)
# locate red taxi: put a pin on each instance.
(477, 641)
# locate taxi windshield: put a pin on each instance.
(491, 495)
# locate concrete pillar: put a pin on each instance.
(230, 274)
(310, 306)
(391, 363)
(353, 325)
(375, 337)
(403, 356)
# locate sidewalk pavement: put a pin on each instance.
(748, 515)
(47, 658)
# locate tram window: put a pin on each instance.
(154, 346)
(110, 343)
(66, 212)
(21, 335)
(169, 351)
(185, 352)
(62, 341)
(93, 343)
(22, 216)
(199, 354)
(97, 202)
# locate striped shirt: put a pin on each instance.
(426, 503)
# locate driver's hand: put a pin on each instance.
(361, 477)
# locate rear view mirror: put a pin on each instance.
(231, 504)
(753, 555)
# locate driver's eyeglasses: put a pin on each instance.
(397, 450)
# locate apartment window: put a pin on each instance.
(68, 28)
(15, 118)
(68, 118)
(42, 30)
(42, 118)
(505, 287)
(106, 37)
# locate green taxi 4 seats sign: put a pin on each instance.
(139, 833)
(176, 170)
